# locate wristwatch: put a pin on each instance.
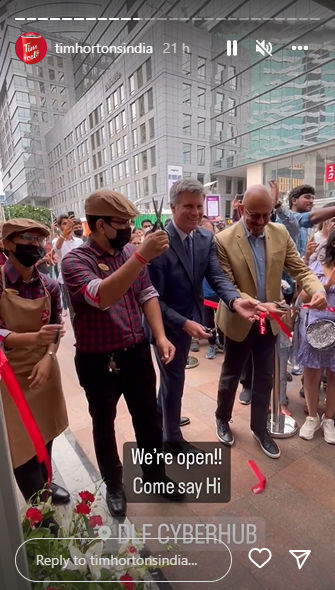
(52, 355)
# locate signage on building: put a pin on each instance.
(174, 173)
(330, 173)
(112, 80)
(212, 206)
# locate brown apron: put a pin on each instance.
(46, 403)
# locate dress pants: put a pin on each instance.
(136, 380)
(261, 349)
(172, 379)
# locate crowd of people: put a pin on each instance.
(127, 288)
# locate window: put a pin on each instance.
(148, 70)
(230, 158)
(154, 183)
(219, 98)
(231, 107)
(143, 135)
(118, 147)
(113, 152)
(60, 76)
(139, 75)
(218, 129)
(133, 113)
(136, 160)
(126, 168)
(59, 62)
(201, 67)
(121, 93)
(114, 173)
(117, 120)
(219, 69)
(232, 83)
(137, 188)
(186, 153)
(123, 119)
(150, 99)
(145, 186)
(240, 188)
(111, 128)
(134, 138)
(131, 84)
(39, 71)
(186, 124)
(201, 127)
(125, 144)
(115, 96)
(144, 160)
(151, 128)
(230, 133)
(201, 98)
(153, 156)
(228, 185)
(219, 153)
(186, 64)
(141, 107)
(200, 155)
(187, 94)
(50, 60)
(121, 171)
(51, 74)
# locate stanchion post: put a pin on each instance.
(281, 426)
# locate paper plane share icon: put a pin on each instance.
(300, 555)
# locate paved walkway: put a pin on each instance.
(296, 510)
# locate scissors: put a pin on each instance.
(158, 223)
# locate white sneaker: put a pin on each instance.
(310, 427)
(327, 424)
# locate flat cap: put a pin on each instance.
(109, 203)
(19, 224)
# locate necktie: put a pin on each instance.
(189, 252)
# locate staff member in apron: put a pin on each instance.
(30, 327)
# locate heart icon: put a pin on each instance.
(262, 559)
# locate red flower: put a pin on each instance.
(132, 549)
(95, 521)
(87, 497)
(82, 508)
(127, 582)
(34, 515)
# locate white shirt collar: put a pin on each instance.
(181, 233)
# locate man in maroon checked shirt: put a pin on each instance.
(109, 286)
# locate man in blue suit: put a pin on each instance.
(177, 275)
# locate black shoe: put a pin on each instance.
(58, 494)
(184, 420)
(267, 444)
(245, 397)
(169, 489)
(289, 376)
(301, 392)
(224, 433)
(181, 446)
(116, 502)
(191, 362)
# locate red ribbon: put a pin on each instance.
(8, 377)
(209, 303)
(260, 486)
(276, 318)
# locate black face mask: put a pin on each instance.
(121, 239)
(28, 255)
(78, 233)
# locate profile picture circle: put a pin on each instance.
(31, 48)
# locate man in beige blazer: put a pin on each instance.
(253, 253)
